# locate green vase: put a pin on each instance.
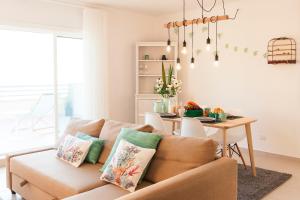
(166, 104)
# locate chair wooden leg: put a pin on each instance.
(229, 151)
(238, 149)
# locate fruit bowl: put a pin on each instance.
(194, 113)
(193, 110)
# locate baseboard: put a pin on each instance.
(264, 153)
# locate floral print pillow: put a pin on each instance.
(127, 165)
(73, 150)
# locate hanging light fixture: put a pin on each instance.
(178, 66)
(169, 40)
(208, 39)
(203, 20)
(184, 50)
(192, 64)
(216, 56)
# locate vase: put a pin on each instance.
(158, 107)
(168, 104)
(165, 105)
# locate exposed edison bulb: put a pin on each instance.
(184, 50)
(178, 66)
(168, 48)
(208, 44)
(192, 64)
(216, 63)
(208, 47)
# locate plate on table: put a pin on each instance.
(206, 119)
(168, 115)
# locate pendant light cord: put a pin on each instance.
(178, 40)
(202, 10)
(217, 37)
(184, 20)
(207, 10)
(208, 29)
(192, 39)
(211, 8)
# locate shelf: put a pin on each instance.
(157, 60)
(150, 75)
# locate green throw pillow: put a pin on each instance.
(138, 138)
(95, 149)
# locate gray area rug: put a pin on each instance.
(255, 188)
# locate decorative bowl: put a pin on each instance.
(193, 113)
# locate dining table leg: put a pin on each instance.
(224, 151)
(250, 148)
(173, 127)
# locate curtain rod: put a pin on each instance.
(78, 4)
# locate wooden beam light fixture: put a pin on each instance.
(197, 21)
(203, 20)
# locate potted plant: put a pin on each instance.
(168, 87)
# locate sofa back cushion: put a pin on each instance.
(176, 154)
(92, 128)
(110, 132)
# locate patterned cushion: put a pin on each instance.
(73, 150)
(127, 165)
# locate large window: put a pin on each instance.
(33, 88)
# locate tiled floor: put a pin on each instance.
(288, 191)
(4, 193)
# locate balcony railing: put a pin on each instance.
(27, 115)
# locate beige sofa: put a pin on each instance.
(182, 169)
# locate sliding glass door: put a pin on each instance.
(69, 80)
(40, 76)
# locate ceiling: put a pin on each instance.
(151, 7)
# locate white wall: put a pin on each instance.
(244, 82)
(124, 30)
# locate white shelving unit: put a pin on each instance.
(147, 71)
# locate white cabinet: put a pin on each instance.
(148, 69)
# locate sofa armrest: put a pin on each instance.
(20, 153)
(213, 181)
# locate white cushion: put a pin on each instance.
(73, 150)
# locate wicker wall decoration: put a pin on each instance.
(282, 51)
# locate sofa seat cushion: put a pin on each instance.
(106, 192)
(176, 154)
(54, 176)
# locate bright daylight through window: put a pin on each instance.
(27, 87)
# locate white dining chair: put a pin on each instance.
(233, 137)
(191, 127)
(155, 120)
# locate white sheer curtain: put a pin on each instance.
(95, 63)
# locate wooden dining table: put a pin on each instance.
(224, 126)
